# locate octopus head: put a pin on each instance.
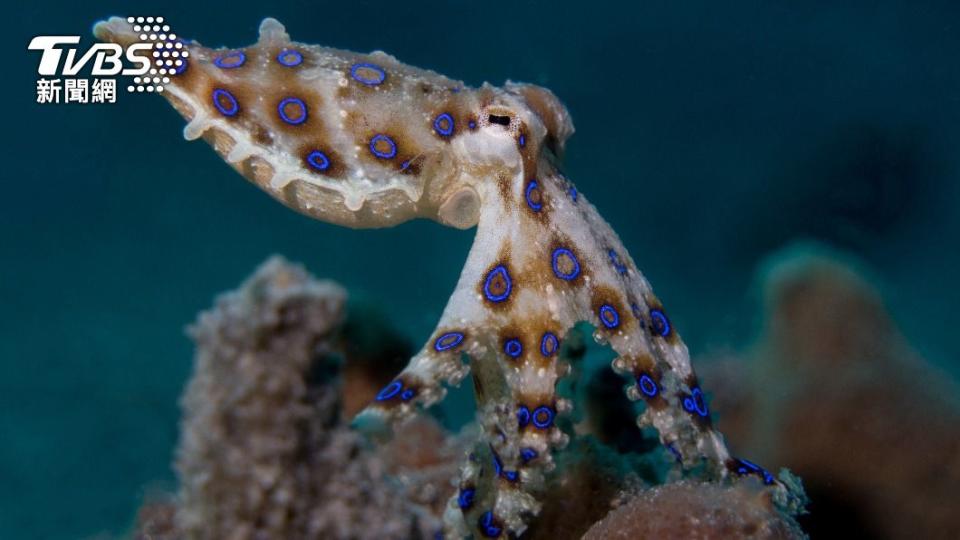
(509, 133)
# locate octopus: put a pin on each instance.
(362, 140)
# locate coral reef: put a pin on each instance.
(694, 510)
(832, 390)
(266, 453)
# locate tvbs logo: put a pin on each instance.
(107, 57)
(62, 62)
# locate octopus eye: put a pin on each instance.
(498, 119)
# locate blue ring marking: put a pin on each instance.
(438, 125)
(497, 464)
(528, 454)
(574, 272)
(219, 93)
(226, 61)
(523, 140)
(318, 160)
(675, 453)
(381, 75)
(609, 316)
(294, 121)
(389, 154)
(487, 527)
(408, 394)
(513, 348)
(549, 344)
(541, 410)
(501, 271)
(390, 391)
(465, 498)
(748, 467)
(448, 341)
(472, 124)
(535, 206)
(283, 57)
(523, 416)
(615, 259)
(573, 193)
(660, 322)
(511, 475)
(635, 309)
(695, 403)
(647, 385)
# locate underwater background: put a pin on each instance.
(709, 137)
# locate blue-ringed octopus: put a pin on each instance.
(362, 140)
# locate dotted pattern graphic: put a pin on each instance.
(169, 56)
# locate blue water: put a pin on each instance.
(708, 136)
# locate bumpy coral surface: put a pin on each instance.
(697, 511)
(264, 453)
(833, 390)
(366, 141)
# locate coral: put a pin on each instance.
(156, 521)
(589, 480)
(264, 453)
(694, 510)
(833, 390)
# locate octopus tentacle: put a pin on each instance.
(519, 431)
